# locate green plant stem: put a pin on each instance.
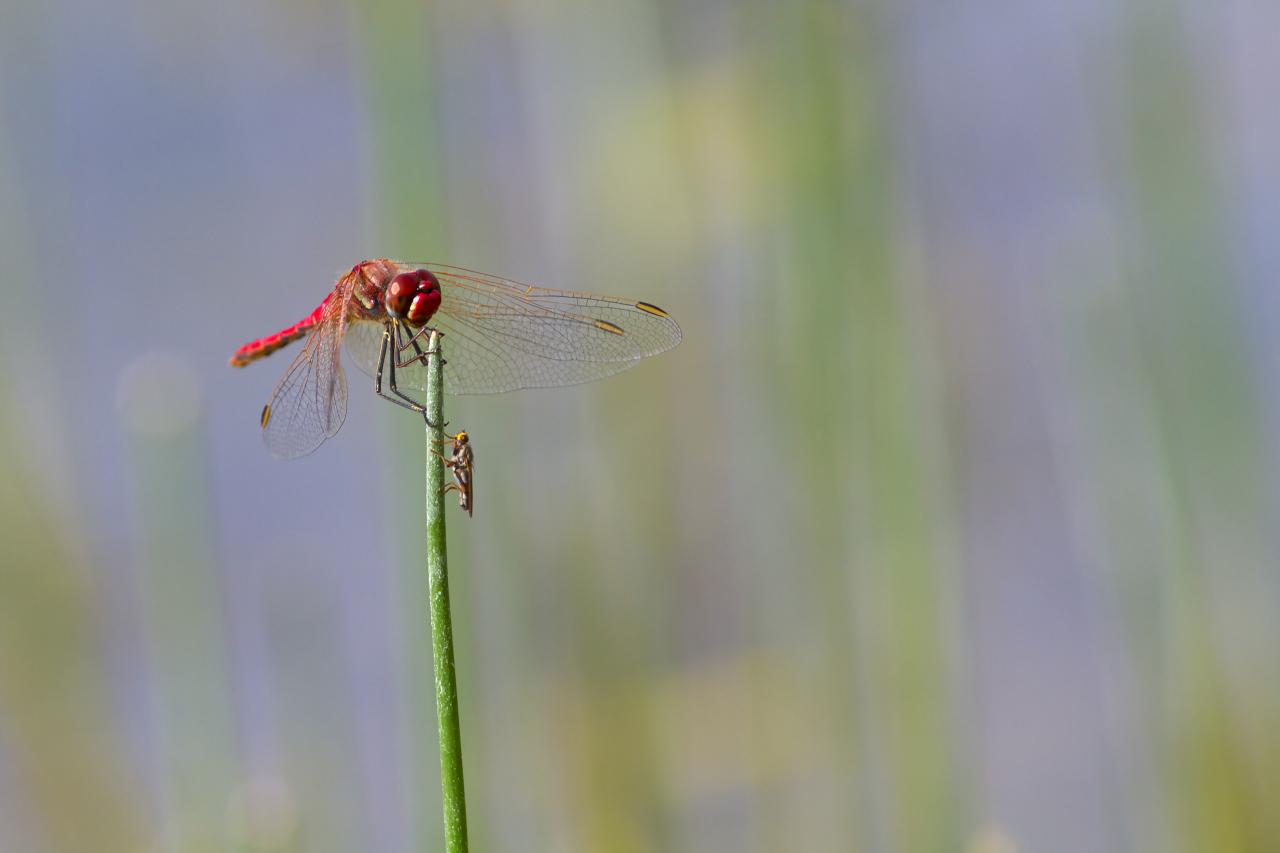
(452, 792)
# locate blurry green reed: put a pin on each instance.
(59, 754)
(64, 780)
(409, 209)
(837, 215)
(1215, 727)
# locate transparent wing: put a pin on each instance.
(310, 402)
(502, 335)
(363, 339)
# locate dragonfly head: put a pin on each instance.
(413, 297)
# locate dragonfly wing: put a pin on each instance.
(364, 344)
(363, 340)
(479, 362)
(310, 402)
(502, 335)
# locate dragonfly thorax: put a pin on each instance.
(413, 297)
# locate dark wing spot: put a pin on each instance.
(606, 326)
(266, 415)
(652, 309)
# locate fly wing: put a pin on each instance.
(471, 481)
(310, 402)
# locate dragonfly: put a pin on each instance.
(461, 462)
(501, 335)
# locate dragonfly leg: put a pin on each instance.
(388, 360)
(391, 364)
(420, 356)
(377, 378)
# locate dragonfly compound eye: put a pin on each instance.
(413, 296)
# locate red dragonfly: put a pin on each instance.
(500, 335)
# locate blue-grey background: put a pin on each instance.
(950, 526)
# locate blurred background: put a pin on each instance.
(950, 526)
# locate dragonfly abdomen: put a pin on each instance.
(263, 347)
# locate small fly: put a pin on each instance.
(461, 463)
